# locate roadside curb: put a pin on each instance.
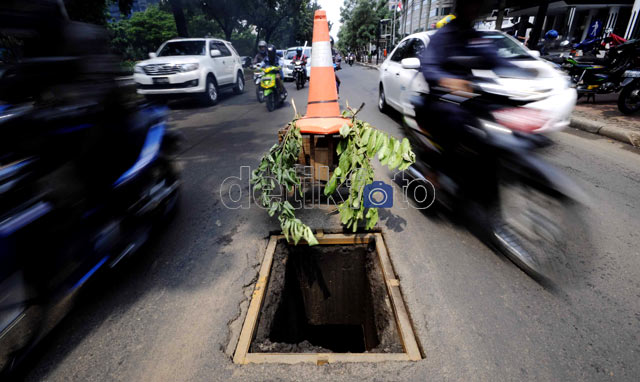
(615, 133)
(366, 65)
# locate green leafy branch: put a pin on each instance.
(277, 169)
(360, 142)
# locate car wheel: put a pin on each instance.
(239, 88)
(210, 95)
(382, 100)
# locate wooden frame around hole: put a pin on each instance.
(401, 316)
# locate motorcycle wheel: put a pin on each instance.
(298, 82)
(629, 99)
(538, 231)
(271, 101)
(260, 95)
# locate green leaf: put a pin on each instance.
(345, 130)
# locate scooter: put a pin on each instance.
(299, 74)
(257, 77)
(273, 97)
(351, 59)
(68, 212)
(511, 198)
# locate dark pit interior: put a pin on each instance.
(327, 298)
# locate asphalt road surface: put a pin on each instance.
(174, 312)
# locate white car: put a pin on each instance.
(288, 64)
(549, 91)
(195, 66)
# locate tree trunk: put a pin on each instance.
(178, 16)
(227, 33)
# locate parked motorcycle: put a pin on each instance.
(299, 74)
(606, 77)
(629, 98)
(273, 97)
(510, 197)
(257, 79)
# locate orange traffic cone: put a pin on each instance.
(323, 111)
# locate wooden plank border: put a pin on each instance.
(401, 316)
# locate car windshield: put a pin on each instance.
(183, 48)
(507, 48)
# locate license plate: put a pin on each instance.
(631, 73)
(160, 80)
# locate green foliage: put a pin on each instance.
(144, 32)
(360, 20)
(360, 142)
(277, 169)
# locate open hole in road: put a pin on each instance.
(336, 302)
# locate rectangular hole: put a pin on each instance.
(327, 298)
(339, 301)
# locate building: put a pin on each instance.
(575, 20)
(420, 15)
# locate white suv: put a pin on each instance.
(194, 66)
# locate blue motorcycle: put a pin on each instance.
(77, 196)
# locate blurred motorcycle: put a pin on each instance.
(87, 170)
(509, 196)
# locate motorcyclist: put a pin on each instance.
(262, 52)
(272, 59)
(449, 122)
(335, 67)
(300, 56)
(550, 39)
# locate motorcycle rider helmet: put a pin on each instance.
(272, 55)
(446, 20)
(262, 46)
(298, 52)
(551, 34)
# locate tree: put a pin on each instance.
(178, 16)
(144, 32)
(227, 13)
(269, 15)
(360, 23)
(94, 11)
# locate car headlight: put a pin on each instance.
(290, 67)
(138, 69)
(188, 67)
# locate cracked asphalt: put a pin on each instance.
(174, 311)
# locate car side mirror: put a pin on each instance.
(410, 63)
(152, 55)
(534, 53)
(215, 53)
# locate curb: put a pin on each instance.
(366, 65)
(615, 133)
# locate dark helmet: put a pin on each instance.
(262, 46)
(299, 51)
(272, 54)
